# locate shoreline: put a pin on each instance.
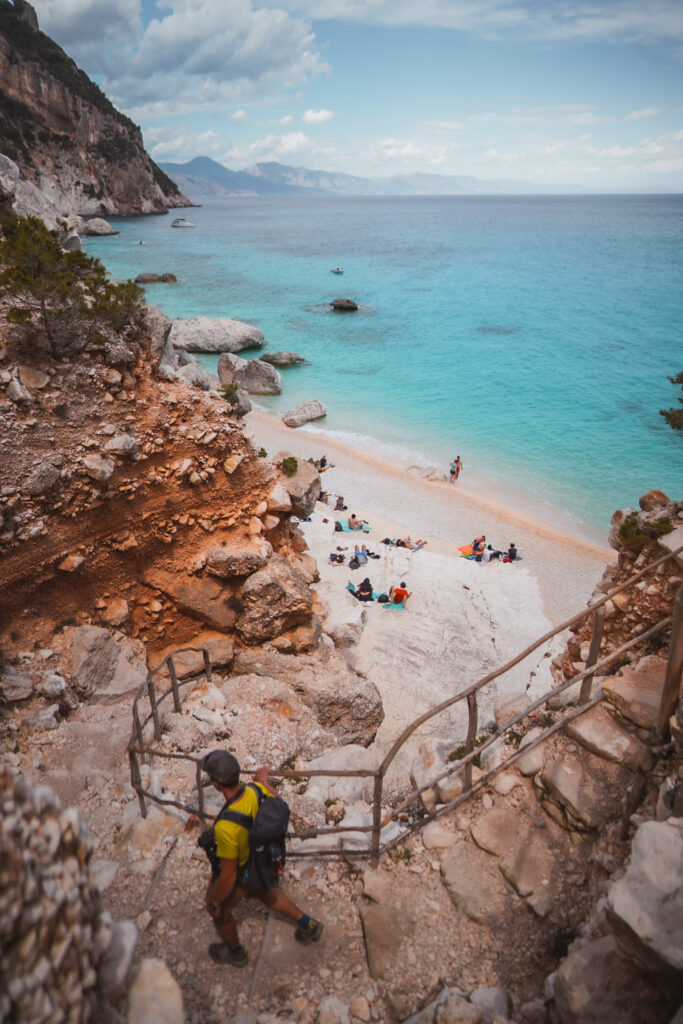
(566, 567)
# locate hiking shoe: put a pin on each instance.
(310, 934)
(221, 953)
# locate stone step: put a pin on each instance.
(590, 788)
(637, 692)
(598, 731)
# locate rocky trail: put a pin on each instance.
(485, 900)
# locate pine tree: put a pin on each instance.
(674, 417)
(65, 296)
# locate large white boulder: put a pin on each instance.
(304, 413)
(204, 334)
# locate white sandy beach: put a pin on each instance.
(463, 619)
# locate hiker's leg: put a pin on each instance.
(224, 922)
(275, 899)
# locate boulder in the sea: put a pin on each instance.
(304, 413)
(274, 599)
(97, 226)
(169, 278)
(344, 305)
(303, 485)
(253, 375)
(204, 334)
(282, 358)
(147, 278)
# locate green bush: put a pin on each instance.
(635, 531)
(262, 453)
(63, 295)
(289, 465)
(230, 394)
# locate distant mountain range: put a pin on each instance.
(205, 177)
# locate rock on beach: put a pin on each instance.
(304, 413)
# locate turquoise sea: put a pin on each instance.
(533, 336)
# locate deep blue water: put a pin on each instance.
(531, 335)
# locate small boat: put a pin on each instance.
(180, 222)
(336, 270)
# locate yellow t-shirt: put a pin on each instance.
(232, 840)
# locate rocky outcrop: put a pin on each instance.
(254, 376)
(275, 598)
(204, 334)
(201, 598)
(100, 666)
(303, 486)
(304, 413)
(228, 560)
(96, 227)
(344, 305)
(645, 906)
(27, 200)
(90, 158)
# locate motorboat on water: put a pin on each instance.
(180, 222)
(336, 270)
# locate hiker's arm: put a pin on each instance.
(224, 884)
(261, 775)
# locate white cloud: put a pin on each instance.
(194, 55)
(638, 115)
(287, 119)
(317, 116)
(620, 21)
(239, 115)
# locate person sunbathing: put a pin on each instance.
(355, 523)
(412, 545)
(361, 554)
(399, 595)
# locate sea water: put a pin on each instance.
(532, 336)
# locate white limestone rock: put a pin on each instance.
(306, 412)
(205, 334)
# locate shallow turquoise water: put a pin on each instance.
(532, 336)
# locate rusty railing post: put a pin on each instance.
(207, 665)
(151, 692)
(136, 781)
(376, 817)
(174, 684)
(674, 668)
(471, 736)
(596, 640)
(137, 729)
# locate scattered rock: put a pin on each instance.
(99, 469)
(155, 995)
(71, 563)
(122, 444)
(97, 226)
(253, 375)
(228, 561)
(344, 305)
(637, 692)
(304, 413)
(303, 486)
(15, 685)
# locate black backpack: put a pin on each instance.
(267, 831)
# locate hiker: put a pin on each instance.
(236, 879)
(399, 595)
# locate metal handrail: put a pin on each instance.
(137, 746)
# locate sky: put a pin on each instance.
(545, 91)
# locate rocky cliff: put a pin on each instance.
(65, 135)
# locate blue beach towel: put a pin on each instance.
(396, 607)
(345, 528)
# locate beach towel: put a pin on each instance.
(467, 551)
(345, 528)
(391, 604)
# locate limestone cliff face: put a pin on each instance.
(66, 136)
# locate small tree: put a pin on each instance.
(64, 295)
(674, 417)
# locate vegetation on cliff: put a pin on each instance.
(674, 417)
(63, 296)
